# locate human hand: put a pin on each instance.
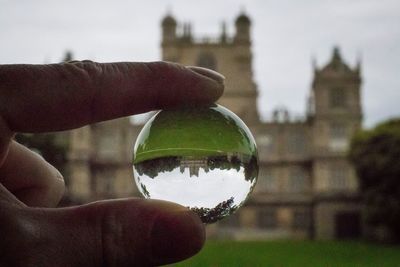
(123, 232)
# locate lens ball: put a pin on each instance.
(204, 158)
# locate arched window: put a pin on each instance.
(207, 60)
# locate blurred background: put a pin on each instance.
(312, 79)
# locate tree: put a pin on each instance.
(375, 154)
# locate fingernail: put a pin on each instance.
(176, 236)
(216, 76)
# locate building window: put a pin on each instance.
(267, 182)
(271, 182)
(207, 60)
(107, 146)
(337, 98)
(339, 140)
(296, 143)
(338, 178)
(267, 218)
(266, 141)
(231, 221)
(301, 220)
(104, 183)
(297, 181)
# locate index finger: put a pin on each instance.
(40, 98)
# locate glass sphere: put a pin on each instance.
(204, 158)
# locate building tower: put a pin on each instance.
(337, 115)
(230, 56)
(242, 34)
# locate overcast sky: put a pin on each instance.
(286, 35)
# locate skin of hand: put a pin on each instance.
(122, 232)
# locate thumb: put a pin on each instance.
(126, 232)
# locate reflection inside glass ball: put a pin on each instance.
(202, 158)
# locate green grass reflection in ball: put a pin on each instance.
(204, 158)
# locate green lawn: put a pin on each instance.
(294, 253)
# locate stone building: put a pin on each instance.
(306, 187)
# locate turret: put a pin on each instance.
(168, 25)
(223, 36)
(242, 24)
(187, 32)
(68, 56)
(357, 68)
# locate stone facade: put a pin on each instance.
(306, 187)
